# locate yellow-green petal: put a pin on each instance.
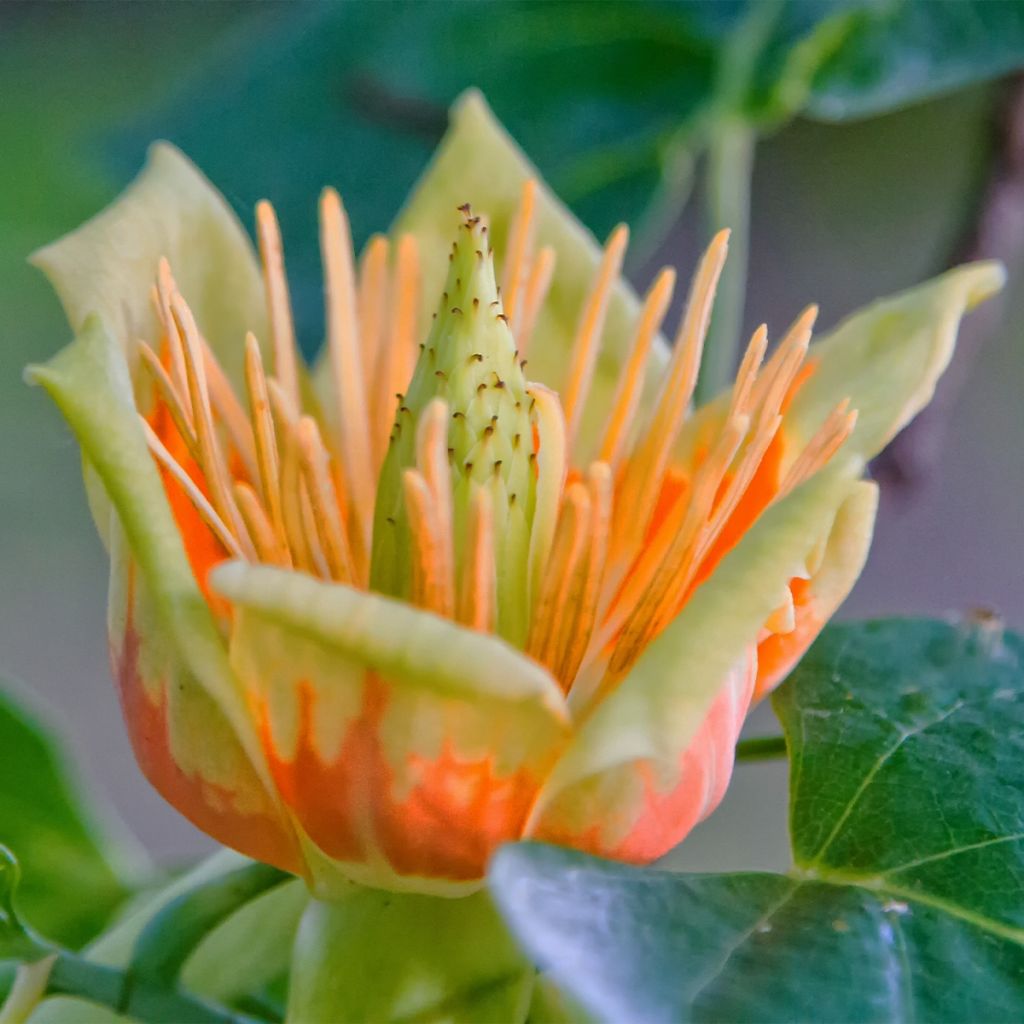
(89, 382)
(108, 266)
(888, 357)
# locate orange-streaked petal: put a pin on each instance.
(639, 810)
(816, 599)
(407, 746)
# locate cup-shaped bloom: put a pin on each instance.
(482, 572)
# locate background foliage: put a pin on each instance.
(865, 133)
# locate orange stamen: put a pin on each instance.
(279, 307)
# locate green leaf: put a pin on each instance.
(382, 956)
(906, 903)
(73, 874)
(906, 51)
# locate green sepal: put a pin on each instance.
(390, 957)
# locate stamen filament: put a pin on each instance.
(588, 334)
(169, 394)
(323, 501)
(206, 511)
(279, 307)
(476, 607)
(520, 243)
(627, 397)
(537, 284)
(265, 437)
(565, 564)
(646, 467)
(429, 586)
(211, 459)
(346, 363)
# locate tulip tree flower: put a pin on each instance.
(481, 573)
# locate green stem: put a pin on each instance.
(73, 975)
(761, 748)
(173, 933)
(730, 162)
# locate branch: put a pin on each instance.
(996, 232)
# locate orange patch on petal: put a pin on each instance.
(779, 652)
(203, 549)
(452, 814)
(656, 819)
(210, 807)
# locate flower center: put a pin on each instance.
(437, 474)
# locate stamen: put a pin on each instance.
(779, 372)
(826, 442)
(291, 493)
(268, 548)
(429, 588)
(520, 242)
(432, 462)
(279, 307)
(211, 458)
(397, 357)
(323, 501)
(537, 284)
(170, 397)
(346, 362)
(627, 397)
(265, 438)
(646, 468)
(748, 370)
(650, 583)
(566, 564)
(584, 605)
(552, 465)
(229, 409)
(165, 288)
(206, 511)
(588, 334)
(477, 589)
(373, 312)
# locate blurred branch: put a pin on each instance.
(761, 748)
(411, 115)
(996, 232)
(730, 162)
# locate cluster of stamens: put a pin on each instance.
(441, 476)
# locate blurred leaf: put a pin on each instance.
(603, 96)
(72, 874)
(904, 51)
(907, 781)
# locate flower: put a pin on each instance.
(368, 637)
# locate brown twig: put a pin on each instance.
(996, 231)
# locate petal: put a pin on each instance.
(189, 724)
(634, 746)
(888, 357)
(815, 600)
(407, 746)
(478, 162)
(108, 265)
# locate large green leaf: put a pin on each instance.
(903, 51)
(74, 874)
(907, 899)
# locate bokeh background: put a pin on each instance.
(887, 143)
